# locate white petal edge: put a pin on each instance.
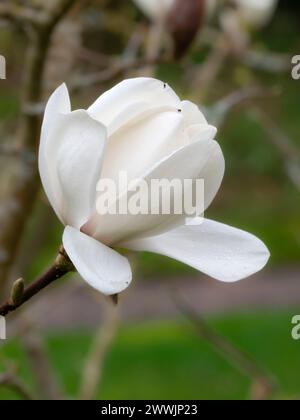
(129, 92)
(220, 251)
(100, 266)
(78, 159)
(58, 103)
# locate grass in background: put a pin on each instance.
(167, 360)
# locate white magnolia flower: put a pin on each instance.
(256, 13)
(155, 9)
(141, 127)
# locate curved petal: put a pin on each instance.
(212, 174)
(137, 147)
(100, 266)
(74, 150)
(130, 94)
(58, 103)
(220, 251)
(192, 113)
(183, 164)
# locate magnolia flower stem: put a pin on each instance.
(61, 266)
(263, 385)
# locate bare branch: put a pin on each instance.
(266, 61)
(61, 9)
(208, 72)
(221, 109)
(61, 266)
(115, 72)
(10, 380)
(93, 370)
(264, 385)
(25, 186)
(46, 381)
(289, 153)
(14, 12)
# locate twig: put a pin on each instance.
(93, 370)
(13, 12)
(110, 74)
(266, 61)
(134, 43)
(61, 266)
(289, 153)
(47, 383)
(210, 69)
(10, 380)
(221, 109)
(56, 15)
(263, 384)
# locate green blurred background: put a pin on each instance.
(163, 357)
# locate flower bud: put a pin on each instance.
(17, 291)
(184, 22)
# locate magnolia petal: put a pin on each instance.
(135, 113)
(100, 266)
(79, 161)
(129, 93)
(137, 147)
(212, 174)
(192, 113)
(183, 164)
(220, 251)
(74, 152)
(58, 103)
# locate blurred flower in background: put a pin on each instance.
(155, 9)
(255, 13)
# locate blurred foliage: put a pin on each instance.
(166, 360)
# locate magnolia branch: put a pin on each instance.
(263, 385)
(224, 106)
(116, 71)
(14, 12)
(94, 365)
(11, 381)
(47, 384)
(19, 295)
(287, 150)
